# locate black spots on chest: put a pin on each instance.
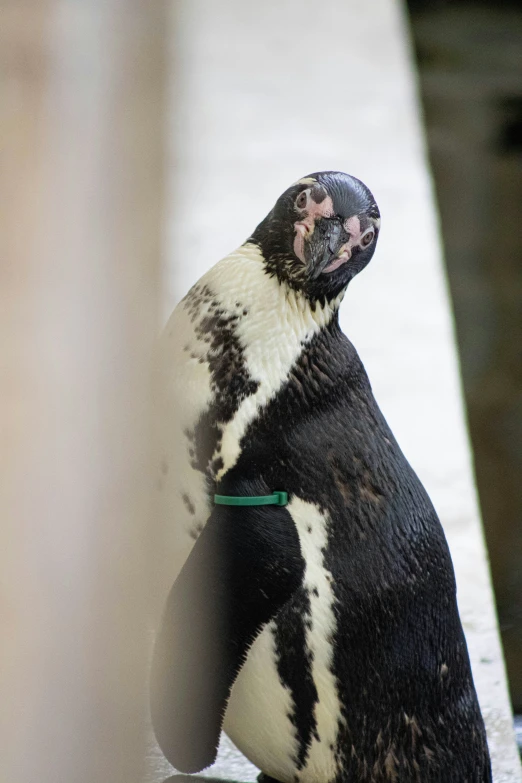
(216, 327)
(189, 505)
(196, 531)
(164, 470)
(217, 463)
(230, 381)
(294, 666)
(197, 298)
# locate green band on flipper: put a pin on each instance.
(277, 499)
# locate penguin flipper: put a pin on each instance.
(244, 566)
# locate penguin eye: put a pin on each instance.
(367, 238)
(302, 199)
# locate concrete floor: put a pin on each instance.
(269, 92)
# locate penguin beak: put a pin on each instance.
(328, 247)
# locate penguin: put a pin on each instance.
(321, 632)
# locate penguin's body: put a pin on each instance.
(323, 636)
(227, 349)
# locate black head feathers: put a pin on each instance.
(321, 232)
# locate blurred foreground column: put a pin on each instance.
(82, 124)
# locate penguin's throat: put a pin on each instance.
(268, 311)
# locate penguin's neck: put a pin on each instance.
(259, 327)
(272, 316)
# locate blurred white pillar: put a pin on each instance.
(81, 183)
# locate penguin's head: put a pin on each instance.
(321, 232)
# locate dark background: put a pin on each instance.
(469, 56)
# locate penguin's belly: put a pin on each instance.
(284, 709)
(257, 719)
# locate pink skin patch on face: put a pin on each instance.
(353, 227)
(304, 227)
